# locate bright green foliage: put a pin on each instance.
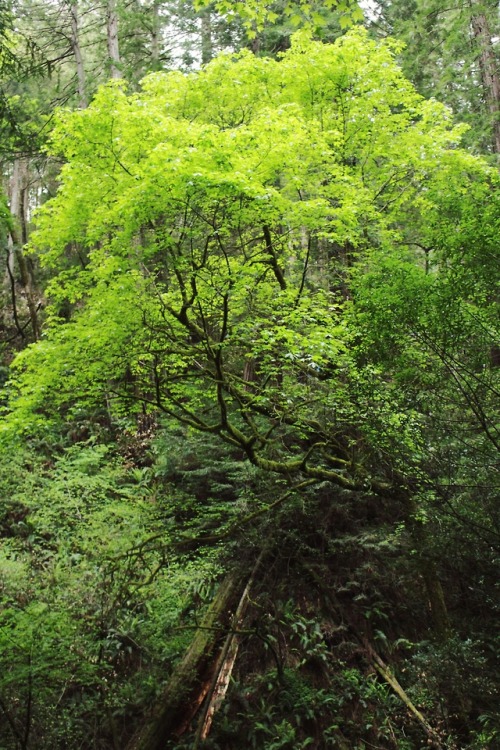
(5, 219)
(256, 14)
(205, 227)
(296, 258)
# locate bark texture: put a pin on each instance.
(489, 70)
(112, 32)
(191, 680)
(19, 204)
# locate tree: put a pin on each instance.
(52, 55)
(77, 51)
(450, 54)
(288, 257)
(488, 68)
(213, 275)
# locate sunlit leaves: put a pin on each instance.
(255, 13)
(206, 229)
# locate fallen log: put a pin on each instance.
(378, 664)
(225, 663)
(192, 677)
(384, 671)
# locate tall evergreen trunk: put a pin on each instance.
(18, 237)
(207, 50)
(489, 70)
(491, 86)
(155, 36)
(112, 32)
(75, 43)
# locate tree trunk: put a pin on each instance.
(75, 43)
(489, 72)
(206, 36)
(18, 237)
(112, 31)
(155, 37)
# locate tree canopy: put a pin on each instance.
(213, 232)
